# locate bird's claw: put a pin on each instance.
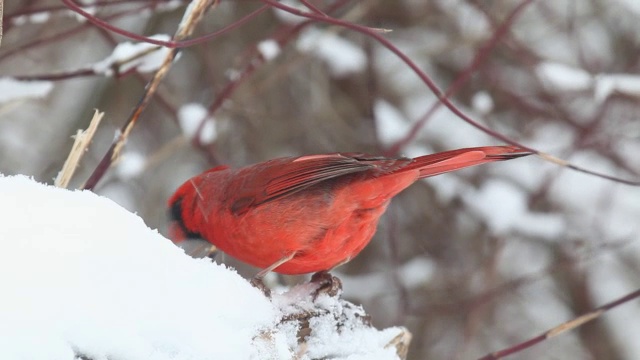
(257, 282)
(327, 284)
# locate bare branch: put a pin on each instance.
(194, 13)
(83, 138)
(562, 328)
(1, 5)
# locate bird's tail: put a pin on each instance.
(443, 162)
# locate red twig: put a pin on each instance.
(480, 57)
(170, 44)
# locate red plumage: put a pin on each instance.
(309, 213)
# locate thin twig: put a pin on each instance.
(562, 328)
(193, 14)
(82, 140)
(1, 6)
(172, 44)
(64, 34)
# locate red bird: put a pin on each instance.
(298, 215)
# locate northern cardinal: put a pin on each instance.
(297, 215)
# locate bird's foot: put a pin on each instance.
(257, 282)
(327, 284)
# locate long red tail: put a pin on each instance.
(440, 163)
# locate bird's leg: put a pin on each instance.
(340, 263)
(256, 281)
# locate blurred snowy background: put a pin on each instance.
(470, 262)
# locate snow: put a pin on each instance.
(81, 276)
(86, 7)
(631, 5)
(473, 23)
(130, 165)
(341, 55)
(35, 18)
(612, 209)
(482, 102)
(269, 49)
(391, 124)
(208, 134)
(128, 55)
(191, 116)
(187, 15)
(413, 274)
(352, 342)
(606, 84)
(504, 207)
(563, 77)
(12, 89)
(287, 17)
(169, 5)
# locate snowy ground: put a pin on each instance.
(81, 277)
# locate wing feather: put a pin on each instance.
(287, 176)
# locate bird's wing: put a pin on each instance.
(283, 177)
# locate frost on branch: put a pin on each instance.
(143, 57)
(84, 278)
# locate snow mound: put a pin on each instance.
(82, 277)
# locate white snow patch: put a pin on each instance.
(169, 5)
(209, 134)
(128, 55)
(12, 89)
(89, 277)
(391, 124)
(472, 22)
(577, 191)
(631, 5)
(501, 204)
(447, 187)
(552, 136)
(130, 165)
(187, 14)
(606, 84)
(482, 102)
(287, 17)
(269, 49)
(557, 76)
(413, 274)
(35, 18)
(341, 55)
(504, 208)
(191, 116)
(355, 340)
(416, 272)
(85, 5)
